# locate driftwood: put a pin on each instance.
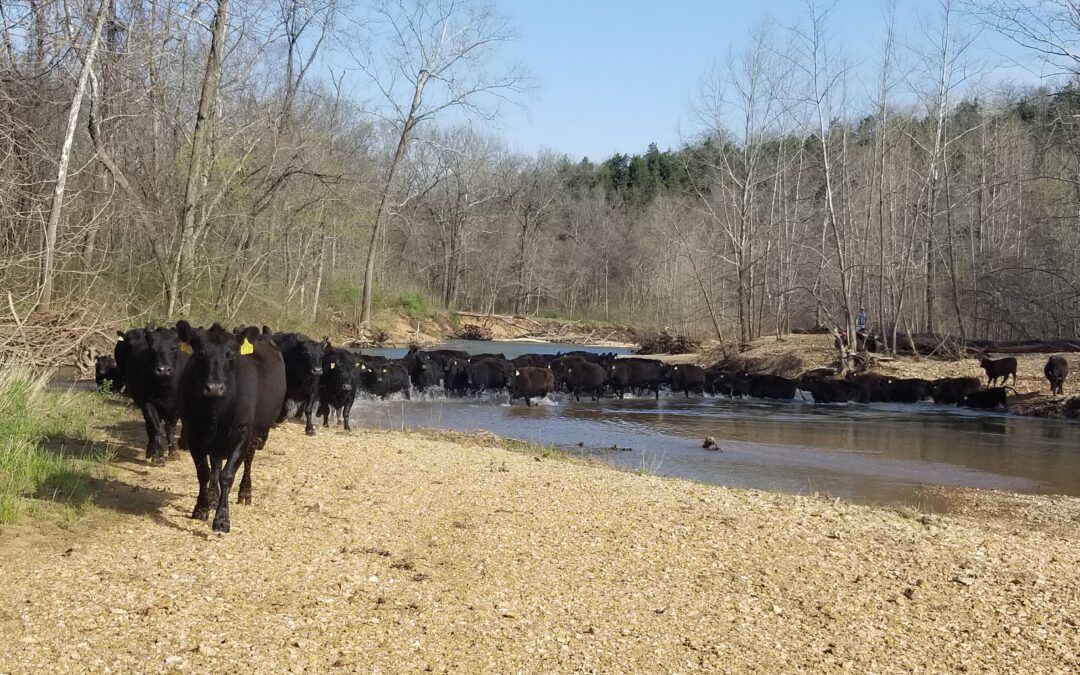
(1023, 346)
(666, 342)
(473, 332)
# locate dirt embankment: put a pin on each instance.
(389, 552)
(793, 355)
(399, 329)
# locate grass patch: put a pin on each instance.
(41, 435)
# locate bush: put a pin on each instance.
(29, 417)
(414, 304)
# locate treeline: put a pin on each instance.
(230, 159)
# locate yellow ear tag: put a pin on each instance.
(186, 348)
(246, 347)
(332, 365)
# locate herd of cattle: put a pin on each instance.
(227, 389)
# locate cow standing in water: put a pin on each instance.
(231, 395)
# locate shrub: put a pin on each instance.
(414, 304)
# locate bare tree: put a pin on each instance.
(60, 185)
(426, 57)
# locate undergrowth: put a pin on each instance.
(41, 434)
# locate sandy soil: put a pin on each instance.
(390, 552)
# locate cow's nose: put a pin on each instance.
(164, 370)
(316, 371)
(214, 390)
(347, 387)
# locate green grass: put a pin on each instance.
(40, 434)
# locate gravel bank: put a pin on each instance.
(391, 552)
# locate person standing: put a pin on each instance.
(860, 321)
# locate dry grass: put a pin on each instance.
(392, 552)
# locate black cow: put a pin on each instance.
(386, 378)
(152, 378)
(106, 370)
(772, 386)
(987, 399)
(585, 377)
(530, 382)
(1056, 370)
(303, 368)
(337, 386)
(906, 390)
(232, 393)
(481, 357)
(424, 371)
(488, 375)
(998, 368)
(952, 390)
(530, 361)
(637, 374)
(559, 364)
(128, 342)
(686, 377)
(830, 390)
(456, 376)
(732, 384)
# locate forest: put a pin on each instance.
(320, 160)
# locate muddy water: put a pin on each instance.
(880, 454)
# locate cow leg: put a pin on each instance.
(308, 407)
(215, 479)
(170, 429)
(323, 412)
(225, 481)
(408, 396)
(155, 451)
(284, 411)
(202, 469)
(346, 410)
(244, 494)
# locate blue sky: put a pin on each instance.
(615, 75)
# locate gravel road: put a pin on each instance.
(392, 552)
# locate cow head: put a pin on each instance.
(311, 355)
(340, 366)
(163, 345)
(215, 354)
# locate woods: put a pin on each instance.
(316, 160)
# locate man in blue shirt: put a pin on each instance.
(860, 321)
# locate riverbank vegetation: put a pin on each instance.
(211, 159)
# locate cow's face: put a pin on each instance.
(341, 367)
(163, 345)
(215, 354)
(311, 354)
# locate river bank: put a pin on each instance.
(393, 551)
(793, 355)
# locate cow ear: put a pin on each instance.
(120, 334)
(250, 334)
(326, 342)
(186, 332)
(266, 331)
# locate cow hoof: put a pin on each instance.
(157, 460)
(310, 431)
(244, 498)
(200, 513)
(221, 524)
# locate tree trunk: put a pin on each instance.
(403, 143)
(53, 227)
(183, 262)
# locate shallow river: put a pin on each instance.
(878, 453)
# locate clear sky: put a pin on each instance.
(615, 75)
